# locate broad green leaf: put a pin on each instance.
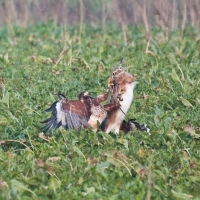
(175, 77)
(195, 179)
(100, 169)
(124, 142)
(88, 191)
(54, 184)
(186, 102)
(198, 100)
(80, 181)
(5, 98)
(3, 120)
(78, 151)
(181, 196)
(18, 186)
(159, 189)
(12, 116)
(2, 155)
(106, 136)
(33, 181)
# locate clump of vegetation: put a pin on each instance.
(37, 62)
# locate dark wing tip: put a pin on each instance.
(61, 97)
(51, 124)
(65, 118)
(53, 107)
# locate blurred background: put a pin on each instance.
(165, 14)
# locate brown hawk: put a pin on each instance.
(87, 111)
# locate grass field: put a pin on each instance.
(37, 62)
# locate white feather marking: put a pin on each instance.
(125, 105)
(59, 112)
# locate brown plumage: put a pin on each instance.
(70, 114)
(87, 111)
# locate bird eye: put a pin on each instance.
(113, 73)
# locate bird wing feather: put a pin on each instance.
(69, 114)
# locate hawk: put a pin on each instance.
(87, 111)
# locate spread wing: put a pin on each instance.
(68, 114)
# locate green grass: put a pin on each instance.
(71, 165)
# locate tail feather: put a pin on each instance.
(51, 125)
(48, 120)
(46, 128)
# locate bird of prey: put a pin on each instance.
(70, 114)
(86, 112)
(121, 84)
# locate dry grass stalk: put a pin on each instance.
(168, 14)
(60, 56)
(121, 17)
(184, 15)
(81, 13)
(103, 18)
(174, 19)
(149, 182)
(143, 11)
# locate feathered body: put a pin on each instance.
(70, 114)
(87, 111)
